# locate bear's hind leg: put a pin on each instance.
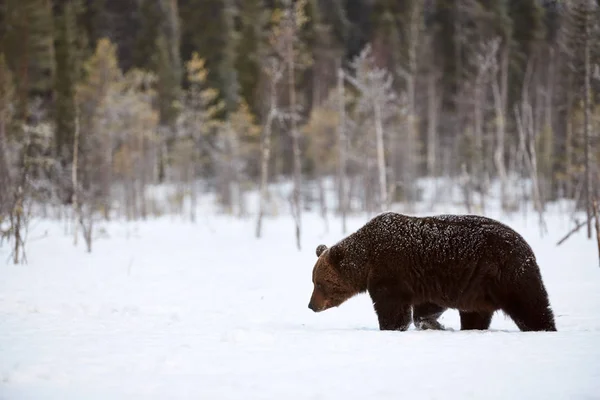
(393, 313)
(425, 316)
(475, 320)
(530, 317)
(528, 305)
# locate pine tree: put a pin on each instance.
(528, 30)
(323, 59)
(117, 20)
(199, 117)
(251, 49)
(27, 46)
(97, 126)
(387, 48)
(215, 42)
(226, 68)
(69, 44)
(6, 99)
(147, 34)
(446, 51)
(167, 63)
(335, 14)
(583, 31)
(291, 50)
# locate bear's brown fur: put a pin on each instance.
(429, 264)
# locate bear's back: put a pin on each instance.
(448, 259)
(442, 240)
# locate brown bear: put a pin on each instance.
(426, 265)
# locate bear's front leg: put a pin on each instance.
(425, 316)
(393, 311)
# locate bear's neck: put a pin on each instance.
(357, 266)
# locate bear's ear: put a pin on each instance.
(336, 254)
(320, 249)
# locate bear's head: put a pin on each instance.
(331, 287)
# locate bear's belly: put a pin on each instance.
(467, 287)
(474, 298)
(466, 302)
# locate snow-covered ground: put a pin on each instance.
(167, 309)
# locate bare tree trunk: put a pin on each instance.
(295, 145)
(106, 181)
(478, 168)
(323, 202)
(342, 148)
(275, 76)
(465, 183)
(512, 168)
(231, 183)
(587, 127)
(432, 125)
(569, 142)
(134, 195)
(5, 173)
(369, 187)
(548, 151)
(597, 224)
(18, 217)
(316, 102)
(264, 172)
(527, 147)
(236, 174)
(75, 200)
(380, 154)
(488, 60)
(87, 223)
(500, 94)
(412, 132)
(193, 191)
(143, 178)
(18, 223)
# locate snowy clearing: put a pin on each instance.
(169, 309)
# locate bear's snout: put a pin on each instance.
(318, 307)
(318, 302)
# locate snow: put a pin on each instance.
(170, 309)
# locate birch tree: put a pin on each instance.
(342, 148)
(286, 43)
(582, 31)
(274, 72)
(6, 100)
(414, 36)
(376, 94)
(197, 121)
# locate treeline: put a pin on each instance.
(99, 99)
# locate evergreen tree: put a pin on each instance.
(28, 48)
(443, 24)
(334, 14)
(528, 30)
(583, 32)
(117, 20)
(251, 50)
(69, 45)
(149, 29)
(226, 68)
(321, 58)
(6, 98)
(210, 41)
(386, 17)
(360, 26)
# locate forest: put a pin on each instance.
(103, 100)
